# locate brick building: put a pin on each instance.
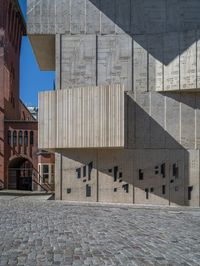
(19, 157)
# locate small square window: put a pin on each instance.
(90, 166)
(163, 189)
(84, 171)
(120, 175)
(190, 192)
(78, 172)
(115, 173)
(126, 188)
(147, 193)
(152, 189)
(69, 190)
(175, 170)
(115, 189)
(141, 175)
(162, 170)
(109, 170)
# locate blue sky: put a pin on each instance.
(32, 79)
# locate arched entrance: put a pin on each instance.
(20, 174)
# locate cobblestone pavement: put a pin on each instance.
(34, 231)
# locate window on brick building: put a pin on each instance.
(31, 138)
(45, 172)
(26, 138)
(14, 137)
(20, 138)
(9, 137)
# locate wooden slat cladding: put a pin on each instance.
(90, 117)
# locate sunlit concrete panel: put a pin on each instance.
(115, 60)
(90, 117)
(78, 61)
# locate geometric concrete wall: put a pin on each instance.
(158, 40)
(152, 48)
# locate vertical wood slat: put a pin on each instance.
(90, 117)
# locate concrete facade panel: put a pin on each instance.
(155, 65)
(78, 61)
(115, 60)
(188, 121)
(140, 67)
(188, 61)
(171, 68)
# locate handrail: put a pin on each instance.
(39, 185)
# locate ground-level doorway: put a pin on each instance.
(20, 171)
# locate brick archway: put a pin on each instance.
(20, 174)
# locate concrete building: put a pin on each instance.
(124, 120)
(19, 161)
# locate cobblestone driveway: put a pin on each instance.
(34, 231)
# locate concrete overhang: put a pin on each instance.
(44, 49)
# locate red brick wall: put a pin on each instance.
(11, 31)
(14, 116)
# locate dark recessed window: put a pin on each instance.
(69, 190)
(26, 138)
(115, 189)
(9, 137)
(162, 170)
(141, 175)
(84, 171)
(163, 189)
(126, 187)
(78, 172)
(90, 166)
(109, 170)
(151, 189)
(175, 170)
(147, 193)
(88, 191)
(120, 175)
(115, 173)
(190, 192)
(31, 138)
(14, 137)
(156, 170)
(20, 137)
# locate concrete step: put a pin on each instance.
(10, 192)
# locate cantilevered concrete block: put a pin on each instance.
(90, 117)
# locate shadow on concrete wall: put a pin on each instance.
(160, 19)
(150, 151)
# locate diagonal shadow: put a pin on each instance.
(153, 161)
(149, 21)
